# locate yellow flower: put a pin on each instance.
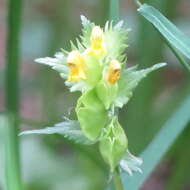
(97, 42)
(75, 62)
(113, 74)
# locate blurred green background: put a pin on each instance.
(54, 163)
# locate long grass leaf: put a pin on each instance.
(167, 29)
(160, 144)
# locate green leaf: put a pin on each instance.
(160, 145)
(117, 35)
(91, 114)
(57, 63)
(167, 29)
(129, 80)
(69, 129)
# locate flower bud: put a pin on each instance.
(113, 144)
(97, 42)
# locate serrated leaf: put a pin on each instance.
(69, 129)
(167, 29)
(57, 63)
(86, 31)
(115, 40)
(160, 144)
(131, 163)
(130, 78)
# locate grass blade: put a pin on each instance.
(13, 173)
(167, 29)
(160, 145)
(11, 159)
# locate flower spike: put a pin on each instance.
(94, 67)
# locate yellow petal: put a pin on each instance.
(75, 62)
(97, 42)
(113, 72)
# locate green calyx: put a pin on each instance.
(113, 144)
(106, 92)
(93, 71)
(91, 114)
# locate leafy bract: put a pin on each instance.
(86, 31)
(116, 40)
(69, 129)
(131, 163)
(57, 63)
(129, 80)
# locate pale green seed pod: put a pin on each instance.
(114, 144)
(91, 114)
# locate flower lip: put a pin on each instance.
(114, 71)
(75, 62)
(97, 34)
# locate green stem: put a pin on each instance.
(114, 10)
(13, 173)
(12, 165)
(117, 180)
(178, 56)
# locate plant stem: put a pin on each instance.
(117, 180)
(114, 10)
(12, 166)
(13, 174)
(178, 56)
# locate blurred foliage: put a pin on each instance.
(52, 162)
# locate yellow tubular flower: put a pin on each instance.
(97, 42)
(75, 62)
(113, 74)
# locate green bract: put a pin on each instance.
(93, 71)
(96, 67)
(107, 93)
